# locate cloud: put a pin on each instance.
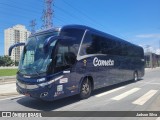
(155, 35)
(158, 51)
(152, 40)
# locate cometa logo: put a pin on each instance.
(98, 62)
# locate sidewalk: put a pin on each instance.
(7, 79)
(8, 90)
(151, 69)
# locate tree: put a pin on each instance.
(6, 61)
(2, 62)
(16, 63)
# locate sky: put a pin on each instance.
(137, 21)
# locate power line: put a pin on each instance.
(69, 14)
(84, 14)
(57, 18)
(26, 10)
(16, 7)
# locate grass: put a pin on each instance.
(8, 72)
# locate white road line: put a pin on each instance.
(125, 94)
(150, 83)
(108, 92)
(145, 97)
(18, 96)
(158, 118)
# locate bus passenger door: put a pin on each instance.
(64, 61)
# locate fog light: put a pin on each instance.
(44, 94)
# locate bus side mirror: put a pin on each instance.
(13, 46)
(70, 58)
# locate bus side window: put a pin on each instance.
(86, 45)
(91, 45)
(60, 58)
(65, 57)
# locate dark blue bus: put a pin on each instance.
(75, 59)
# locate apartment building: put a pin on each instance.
(17, 33)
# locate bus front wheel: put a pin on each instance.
(85, 90)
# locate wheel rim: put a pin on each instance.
(85, 88)
(135, 77)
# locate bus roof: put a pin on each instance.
(83, 27)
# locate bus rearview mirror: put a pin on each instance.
(13, 46)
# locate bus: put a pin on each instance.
(75, 59)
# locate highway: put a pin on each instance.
(143, 95)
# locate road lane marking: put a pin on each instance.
(108, 92)
(158, 118)
(10, 98)
(150, 83)
(125, 94)
(143, 99)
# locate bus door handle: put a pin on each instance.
(66, 71)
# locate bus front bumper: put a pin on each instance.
(45, 92)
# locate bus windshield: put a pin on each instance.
(34, 59)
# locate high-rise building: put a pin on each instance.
(17, 33)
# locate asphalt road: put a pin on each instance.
(143, 95)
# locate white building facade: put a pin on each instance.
(17, 33)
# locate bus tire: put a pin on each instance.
(135, 76)
(85, 89)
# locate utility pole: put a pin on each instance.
(47, 14)
(32, 25)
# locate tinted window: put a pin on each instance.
(91, 44)
(60, 60)
(110, 47)
(94, 44)
(77, 34)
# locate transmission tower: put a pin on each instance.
(32, 25)
(147, 48)
(47, 14)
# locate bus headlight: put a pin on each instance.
(41, 79)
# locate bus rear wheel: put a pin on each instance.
(85, 90)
